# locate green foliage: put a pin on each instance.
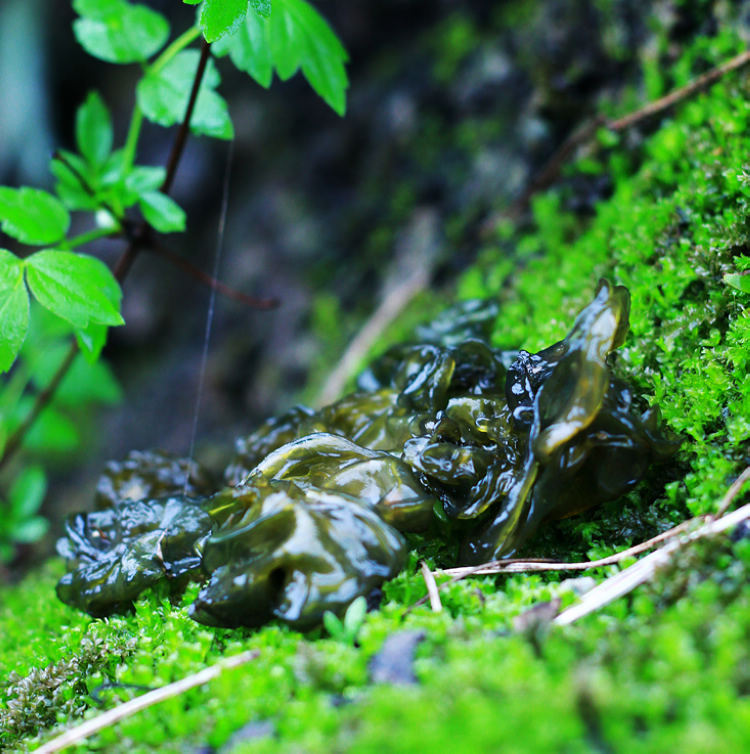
(19, 519)
(106, 181)
(164, 91)
(117, 31)
(292, 36)
(346, 630)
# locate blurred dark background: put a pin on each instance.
(452, 108)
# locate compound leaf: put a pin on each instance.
(250, 49)
(293, 37)
(75, 287)
(32, 216)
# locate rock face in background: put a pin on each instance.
(452, 107)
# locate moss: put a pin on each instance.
(662, 670)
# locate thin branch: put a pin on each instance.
(584, 134)
(639, 573)
(732, 493)
(222, 288)
(110, 717)
(179, 143)
(432, 590)
(535, 565)
(42, 399)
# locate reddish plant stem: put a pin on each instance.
(207, 280)
(138, 239)
(178, 145)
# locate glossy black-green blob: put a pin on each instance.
(493, 443)
(296, 552)
(149, 474)
(114, 554)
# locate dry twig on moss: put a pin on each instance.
(112, 716)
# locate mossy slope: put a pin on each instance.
(663, 670)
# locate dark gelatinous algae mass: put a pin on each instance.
(493, 442)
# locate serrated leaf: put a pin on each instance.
(294, 37)
(738, 281)
(32, 216)
(27, 492)
(162, 212)
(218, 18)
(300, 37)
(14, 309)
(163, 96)
(118, 32)
(94, 130)
(249, 48)
(76, 287)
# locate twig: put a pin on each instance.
(732, 492)
(110, 717)
(625, 581)
(43, 398)
(179, 143)
(551, 170)
(217, 285)
(432, 590)
(520, 565)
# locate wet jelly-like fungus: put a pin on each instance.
(311, 515)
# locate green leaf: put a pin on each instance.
(333, 625)
(76, 287)
(14, 308)
(118, 32)
(163, 96)
(162, 213)
(354, 616)
(32, 216)
(221, 17)
(27, 492)
(295, 36)
(191, 2)
(94, 130)
(68, 187)
(91, 340)
(738, 281)
(249, 49)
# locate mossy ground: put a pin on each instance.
(662, 670)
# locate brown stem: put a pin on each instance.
(42, 399)
(179, 143)
(553, 167)
(217, 285)
(138, 239)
